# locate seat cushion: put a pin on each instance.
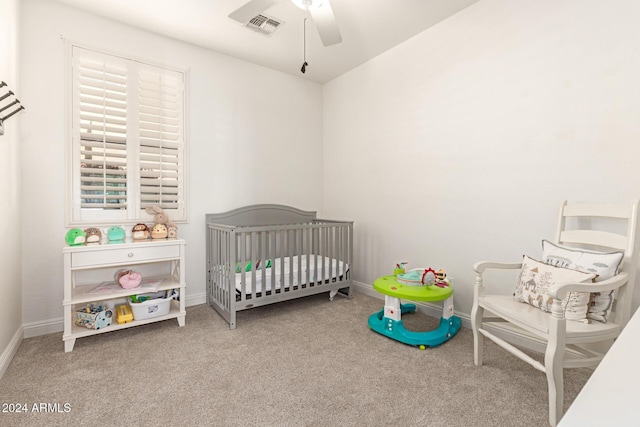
(537, 321)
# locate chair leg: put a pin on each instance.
(553, 361)
(477, 313)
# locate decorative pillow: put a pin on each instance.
(535, 279)
(604, 264)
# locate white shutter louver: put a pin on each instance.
(103, 109)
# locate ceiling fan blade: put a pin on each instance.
(326, 24)
(251, 9)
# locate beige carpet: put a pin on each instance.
(308, 362)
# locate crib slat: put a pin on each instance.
(272, 255)
(290, 245)
(330, 251)
(308, 252)
(243, 262)
(252, 258)
(263, 261)
(323, 249)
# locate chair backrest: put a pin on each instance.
(604, 227)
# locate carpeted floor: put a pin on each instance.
(308, 362)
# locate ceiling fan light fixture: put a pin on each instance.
(308, 4)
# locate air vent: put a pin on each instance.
(263, 24)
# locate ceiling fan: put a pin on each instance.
(320, 11)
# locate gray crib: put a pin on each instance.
(264, 254)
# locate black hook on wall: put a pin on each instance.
(7, 106)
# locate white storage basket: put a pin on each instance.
(150, 308)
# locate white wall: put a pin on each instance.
(255, 137)
(10, 285)
(456, 146)
(460, 144)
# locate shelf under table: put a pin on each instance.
(83, 294)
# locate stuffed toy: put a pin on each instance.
(115, 234)
(159, 231)
(172, 231)
(128, 279)
(140, 232)
(75, 237)
(160, 217)
(94, 235)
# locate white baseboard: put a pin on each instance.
(7, 355)
(44, 327)
(196, 299)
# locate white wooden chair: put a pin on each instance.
(565, 343)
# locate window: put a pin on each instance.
(128, 139)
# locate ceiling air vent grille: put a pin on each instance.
(263, 24)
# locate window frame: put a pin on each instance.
(133, 213)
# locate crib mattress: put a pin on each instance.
(288, 267)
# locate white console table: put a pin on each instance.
(166, 255)
(608, 397)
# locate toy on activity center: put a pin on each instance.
(75, 237)
(169, 229)
(399, 268)
(128, 279)
(423, 277)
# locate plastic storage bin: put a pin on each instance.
(150, 308)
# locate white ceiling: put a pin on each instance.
(368, 27)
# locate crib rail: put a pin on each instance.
(255, 253)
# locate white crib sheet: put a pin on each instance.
(338, 268)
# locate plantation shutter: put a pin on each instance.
(128, 139)
(103, 134)
(161, 136)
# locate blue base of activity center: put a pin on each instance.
(394, 329)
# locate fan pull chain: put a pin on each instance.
(304, 46)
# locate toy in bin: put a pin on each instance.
(93, 317)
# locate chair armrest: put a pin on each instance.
(559, 290)
(481, 266)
